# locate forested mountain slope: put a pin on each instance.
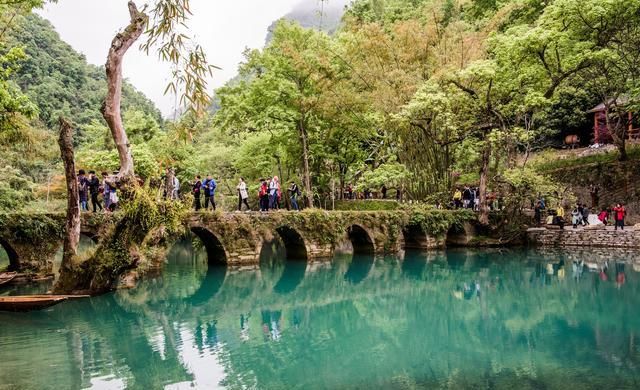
(43, 78)
(60, 81)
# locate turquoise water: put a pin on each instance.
(454, 319)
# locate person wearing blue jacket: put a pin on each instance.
(209, 186)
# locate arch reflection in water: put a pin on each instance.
(207, 254)
(415, 263)
(478, 319)
(280, 271)
(359, 268)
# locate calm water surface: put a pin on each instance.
(454, 319)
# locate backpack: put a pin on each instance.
(83, 185)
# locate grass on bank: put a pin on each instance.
(550, 160)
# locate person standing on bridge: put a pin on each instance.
(263, 195)
(274, 188)
(106, 191)
(197, 187)
(243, 195)
(94, 190)
(83, 190)
(209, 185)
(294, 192)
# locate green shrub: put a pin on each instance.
(367, 205)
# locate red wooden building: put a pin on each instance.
(601, 132)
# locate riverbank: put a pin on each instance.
(590, 236)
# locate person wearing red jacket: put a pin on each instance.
(620, 212)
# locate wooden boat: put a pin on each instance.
(6, 277)
(33, 302)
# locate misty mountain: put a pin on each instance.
(320, 14)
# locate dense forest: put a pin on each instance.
(420, 95)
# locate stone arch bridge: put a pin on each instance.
(236, 239)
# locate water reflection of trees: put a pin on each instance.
(401, 324)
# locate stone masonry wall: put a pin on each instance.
(628, 238)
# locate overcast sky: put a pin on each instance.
(223, 27)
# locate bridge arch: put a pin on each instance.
(361, 239)
(294, 244)
(94, 236)
(216, 252)
(14, 259)
(415, 237)
(283, 260)
(459, 234)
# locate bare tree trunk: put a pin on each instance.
(168, 183)
(111, 106)
(484, 176)
(72, 232)
(306, 178)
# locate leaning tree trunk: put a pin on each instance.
(484, 177)
(72, 231)
(306, 177)
(111, 107)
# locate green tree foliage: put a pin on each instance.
(418, 94)
(41, 78)
(60, 82)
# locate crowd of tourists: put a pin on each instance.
(103, 193)
(582, 215)
(468, 197)
(367, 193)
(269, 195)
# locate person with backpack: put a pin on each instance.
(196, 188)
(294, 192)
(209, 185)
(243, 195)
(466, 197)
(83, 190)
(576, 217)
(263, 195)
(94, 190)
